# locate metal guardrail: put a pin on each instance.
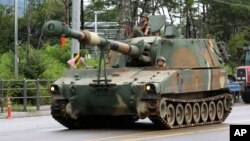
(37, 85)
(235, 87)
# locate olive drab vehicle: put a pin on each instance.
(190, 90)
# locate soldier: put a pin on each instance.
(161, 62)
(77, 58)
(144, 25)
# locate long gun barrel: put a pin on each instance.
(56, 28)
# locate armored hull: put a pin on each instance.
(173, 101)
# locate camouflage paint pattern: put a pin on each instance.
(193, 67)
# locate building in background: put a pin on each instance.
(21, 5)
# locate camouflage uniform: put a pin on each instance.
(145, 25)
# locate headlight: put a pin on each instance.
(54, 89)
(150, 88)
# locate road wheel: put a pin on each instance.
(220, 110)
(204, 111)
(170, 114)
(179, 114)
(188, 113)
(196, 112)
(163, 108)
(212, 110)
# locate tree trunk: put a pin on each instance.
(155, 6)
(170, 16)
(204, 19)
(124, 6)
(67, 12)
(40, 40)
(134, 12)
(188, 25)
(41, 35)
(28, 42)
(144, 7)
(193, 24)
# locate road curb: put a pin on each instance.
(25, 114)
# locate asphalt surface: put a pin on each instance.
(45, 128)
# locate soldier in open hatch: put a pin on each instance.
(161, 62)
(143, 28)
(77, 58)
(145, 25)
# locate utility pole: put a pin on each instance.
(82, 14)
(16, 59)
(67, 12)
(82, 21)
(96, 31)
(75, 48)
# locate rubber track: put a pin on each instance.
(154, 114)
(61, 117)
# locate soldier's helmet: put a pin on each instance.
(161, 58)
(145, 15)
(159, 64)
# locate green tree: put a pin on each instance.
(54, 60)
(6, 29)
(238, 41)
(6, 68)
(226, 18)
(37, 13)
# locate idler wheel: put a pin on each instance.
(228, 101)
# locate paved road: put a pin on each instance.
(44, 128)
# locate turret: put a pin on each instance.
(56, 28)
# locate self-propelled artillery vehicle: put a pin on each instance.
(190, 90)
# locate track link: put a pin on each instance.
(58, 113)
(154, 112)
(155, 115)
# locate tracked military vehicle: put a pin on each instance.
(190, 90)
